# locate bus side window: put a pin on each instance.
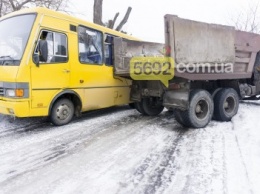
(109, 50)
(56, 47)
(60, 53)
(90, 46)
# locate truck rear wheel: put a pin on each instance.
(152, 106)
(226, 104)
(170, 109)
(200, 110)
(62, 112)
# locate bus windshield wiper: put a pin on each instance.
(6, 56)
(9, 58)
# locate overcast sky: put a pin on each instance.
(146, 19)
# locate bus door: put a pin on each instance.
(52, 73)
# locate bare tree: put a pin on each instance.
(4, 8)
(97, 16)
(7, 6)
(97, 11)
(1, 8)
(248, 19)
(58, 5)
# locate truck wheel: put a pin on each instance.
(62, 112)
(139, 107)
(152, 106)
(132, 105)
(226, 104)
(170, 109)
(178, 114)
(200, 110)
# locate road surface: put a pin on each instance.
(117, 150)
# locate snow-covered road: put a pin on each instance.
(117, 150)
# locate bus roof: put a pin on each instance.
(73, 19)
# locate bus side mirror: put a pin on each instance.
(36, 59)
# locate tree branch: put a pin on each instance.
(1, 8)
(20, 5)
(12, 5)
(248, 19)
(97, 12)
(111, 23)
(254, 26)
(125, 19)
(7, 6)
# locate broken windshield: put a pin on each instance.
(14, 35)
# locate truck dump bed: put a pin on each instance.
(125, 50)
(200, 50)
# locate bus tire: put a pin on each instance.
(152, 106)
(200, 110)
(62, 112)
(226, 104)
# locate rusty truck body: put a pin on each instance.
(215, 67)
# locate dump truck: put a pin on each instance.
(215, 66)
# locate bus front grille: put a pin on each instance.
(1, 91)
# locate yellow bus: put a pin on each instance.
(52, 64)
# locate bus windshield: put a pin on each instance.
(14, 35)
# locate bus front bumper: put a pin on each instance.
(15, 108)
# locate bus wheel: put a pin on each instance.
(62, 112)
(200, 110)
(152, 106)
(226, 104)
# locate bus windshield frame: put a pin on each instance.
(14, 35)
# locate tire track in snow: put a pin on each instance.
(157, 169)
(242, 158)
(12, 126)
(201, 168)
(37, 157)
(166, 169)
(224, 168)
(15, 125)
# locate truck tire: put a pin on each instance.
(226, 103)
(178, 114)
(62, 112)
(152, 106)
(139, 107)
(170, 109)
(132, 105)
(200, 110)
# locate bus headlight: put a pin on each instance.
(14, 92)
(10, 93)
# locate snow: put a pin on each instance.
(117, 150)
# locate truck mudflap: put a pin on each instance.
(176, 99)
(140, 89)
